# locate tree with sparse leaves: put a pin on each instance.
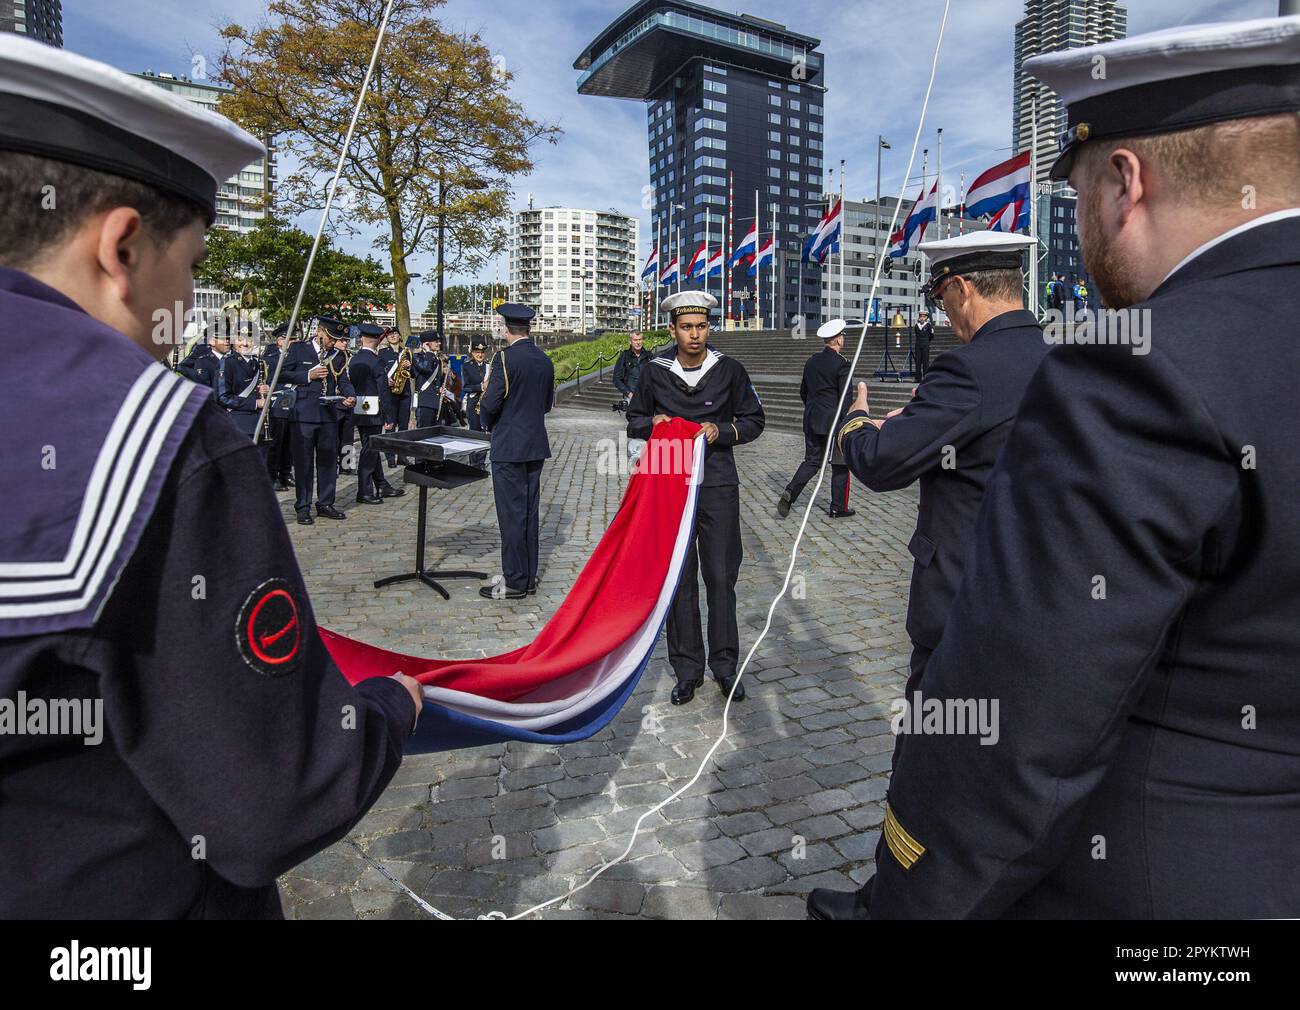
(467, 298)
(439, 136)
(270, 260)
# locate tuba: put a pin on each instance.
(403, 374)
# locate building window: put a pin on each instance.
(774, 118)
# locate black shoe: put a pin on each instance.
(369, 499)
(330, 512)
(496, 593)
(843, 513)
(279, 486)
(827, 904)
(305, 519)
(532, 590)
(391, 492)
(391, 462)
(685, 691)
(783, 505)
(724, 685)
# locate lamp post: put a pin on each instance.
(881, 145)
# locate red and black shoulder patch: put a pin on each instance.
(269, 629)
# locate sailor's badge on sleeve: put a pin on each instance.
(269, 629)
(906, 849)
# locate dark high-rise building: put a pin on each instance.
(39, 19)
(731, 101)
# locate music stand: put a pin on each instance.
(442, 460)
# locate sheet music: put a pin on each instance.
(450, 443)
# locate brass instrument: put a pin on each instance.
(403, 374)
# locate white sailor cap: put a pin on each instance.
(832, 329)
(65, 107)
(688, 301)
(1173, 80)
(972, 253)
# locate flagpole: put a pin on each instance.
(843, 238)
(758, 271)
(1033, 208)
(729, 237)
(659, 245)
(774, 257)
(938, 189)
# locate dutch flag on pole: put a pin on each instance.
(715, 264)
(764, 257)
(1001, 185)
(810, 243)
(651, 264)
(922, 212)
(747, 249)
(1013, 218)
(829, 239)
(670, 274)
(695, 269)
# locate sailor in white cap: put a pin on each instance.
(220, 760)
(695, 382)
(825, 376)
(1131, 594)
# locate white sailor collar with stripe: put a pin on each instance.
(692, 378)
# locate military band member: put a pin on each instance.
(700, 384)
(242, 386)
(222, 760)
(369, 380)
(314, 426)
(339, 361)
(279, 460)
(520, 393)
(472, 372)
(824, 377)
(1131, 594)
(397, 358)
(203, 363)
(427, 374)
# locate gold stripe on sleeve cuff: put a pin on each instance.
(906, 849)
(850, 428)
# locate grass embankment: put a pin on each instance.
(586, 354)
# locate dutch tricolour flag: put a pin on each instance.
(695, 269)
(747, 249)
(1002, 184)
(670, 274)
(651, 264)
(1014, 217)
(921, 214)
(715, 264)
(572, 679)
(828, 239)
(764, 258)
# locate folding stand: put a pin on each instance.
(446, 478)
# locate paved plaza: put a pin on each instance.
(793, 799)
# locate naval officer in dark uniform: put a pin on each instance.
(279, 460)
(242, 388)
(397, 403)
(427, 376)
(694, 382)
(203, 363)
(312, 366)
(472, 372)
(214, 749)
(825, 375)
(1131, 594)
(520, 393)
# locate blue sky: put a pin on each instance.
(877, 66)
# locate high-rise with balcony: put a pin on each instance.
(1048, 27)
(242, 200)
(576, 268)
(41, 20)
(733, 103)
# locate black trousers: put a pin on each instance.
(922, 359)
(398, 414)
(279, 459)
(716, 553)
(471, 411)
(814, 447)
(370, 468)
(517, 488)
(315, 451)
(426, 417)
(916, 669)
(347, 437)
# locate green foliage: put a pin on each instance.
(586, 354)
(462, 297)
(271, 259)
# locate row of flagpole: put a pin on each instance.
(1004, 194)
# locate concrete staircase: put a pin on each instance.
(775, 363)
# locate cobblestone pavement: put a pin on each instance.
(792, 800)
